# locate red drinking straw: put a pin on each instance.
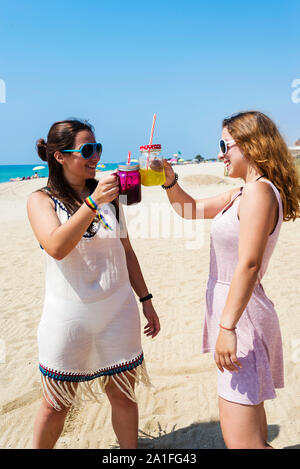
(152, 129)
(129, 156)
(151, 138)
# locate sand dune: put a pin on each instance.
(180, 411)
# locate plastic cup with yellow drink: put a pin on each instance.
(151, 165)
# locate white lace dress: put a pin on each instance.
(90, 327)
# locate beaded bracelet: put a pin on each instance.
(173, 183)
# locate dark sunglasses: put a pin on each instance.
(87, 150)
(223, 144)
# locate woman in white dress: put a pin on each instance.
(89, 336)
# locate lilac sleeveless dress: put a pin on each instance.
(259, 345)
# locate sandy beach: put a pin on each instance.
(181, 409)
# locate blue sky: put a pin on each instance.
(117, 63)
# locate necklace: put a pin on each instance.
(260, 177)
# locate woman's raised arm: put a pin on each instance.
(190, 208)
(57, 239)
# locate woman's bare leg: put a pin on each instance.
(263, 423)
(49, 423)
(243, 426)
(124, 415)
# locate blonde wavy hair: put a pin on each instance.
(262, 144)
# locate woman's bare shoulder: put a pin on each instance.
(39, 197)
(259, 189)
(259, 194)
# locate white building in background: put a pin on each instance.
(295, 149)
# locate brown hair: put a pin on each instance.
(262, 144)
(61, 136)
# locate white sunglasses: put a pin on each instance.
(223, 145)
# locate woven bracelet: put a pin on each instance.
(91, 204)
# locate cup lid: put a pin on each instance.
(129, 167)
(150, 147)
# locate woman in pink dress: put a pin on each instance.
(241, 325)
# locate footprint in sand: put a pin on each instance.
(22, 401)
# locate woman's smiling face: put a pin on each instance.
(78, 166)
(234, 160)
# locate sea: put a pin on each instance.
(12, 171)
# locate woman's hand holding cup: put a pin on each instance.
(106, 190)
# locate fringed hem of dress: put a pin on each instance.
(67, 389)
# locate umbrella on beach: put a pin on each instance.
(173, 161)
(37, 168)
